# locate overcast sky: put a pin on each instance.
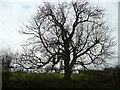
(13, 13)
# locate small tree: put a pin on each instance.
(6, 56)
(73, 32)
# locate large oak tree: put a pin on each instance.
(74, 33)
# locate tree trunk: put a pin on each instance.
(67, 67)
(79, 71)
(67, 74)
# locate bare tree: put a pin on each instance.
(74, 32)
(6, 57)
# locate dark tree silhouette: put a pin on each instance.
(6, 57)
(74, 33)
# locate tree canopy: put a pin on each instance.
(74, 33)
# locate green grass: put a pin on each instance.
(55, 80)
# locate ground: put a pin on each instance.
(91, 79)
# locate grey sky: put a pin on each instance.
(13, 13)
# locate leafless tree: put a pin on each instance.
(74, 33)
(6, 57)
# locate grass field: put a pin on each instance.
(55, 80)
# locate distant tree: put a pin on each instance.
(73, 32)
(6, 56)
